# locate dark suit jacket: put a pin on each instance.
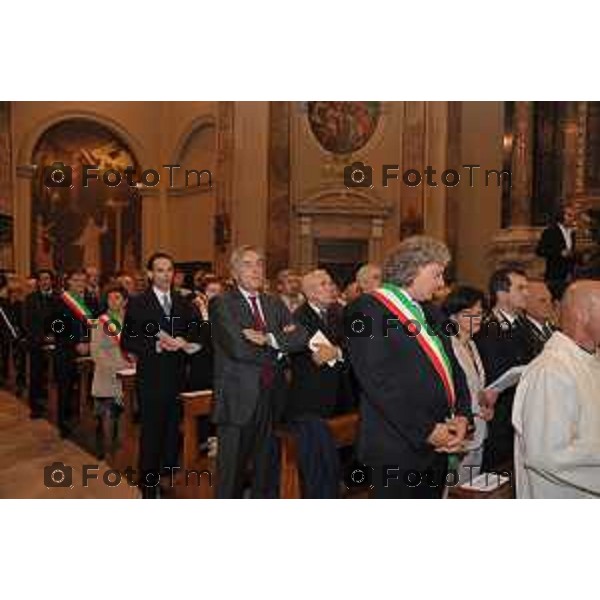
(550, 247)
(501, 347)
(238, 362)
(402, 396)
(158, 373)
(314, 390)
(36, 319)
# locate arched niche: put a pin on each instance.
(76, 225)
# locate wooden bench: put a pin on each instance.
(188, 485)
(343, 428)
(126, 452)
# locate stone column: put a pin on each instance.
(569, 151)
(22, 220)
(306, 244)
(376, 240)
(580, 183)
(522, 164)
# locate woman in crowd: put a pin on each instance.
(108, 360)
(464, 306)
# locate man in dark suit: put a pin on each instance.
(316, 376)
(557, 247)
(159, 326)
(39, 306)
(415, 407)
(71, 334)
(503, 342)
(251, 334)
(539, 319)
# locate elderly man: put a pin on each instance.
(556, 412)
(288, 288)
(316, 372)
(414, 399)
(368, 277)
(251, 333)
(538, 320)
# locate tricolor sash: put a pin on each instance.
(78, 307)
(401, 306)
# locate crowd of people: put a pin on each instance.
(418, 358)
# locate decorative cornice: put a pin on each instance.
(341, 201)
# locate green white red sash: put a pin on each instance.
(401, 306)
(79, 308)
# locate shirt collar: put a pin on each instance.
(505, 316)
(317, 309)
(247, 295)
(160, 294)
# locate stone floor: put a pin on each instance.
(27, 447)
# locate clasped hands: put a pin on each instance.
(172, 344)
(449, 437)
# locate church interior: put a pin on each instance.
(277, 176)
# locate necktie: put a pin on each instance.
(259, 322)
(267, 373)
(167, 305)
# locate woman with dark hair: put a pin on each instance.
(464, 305)
(108, 360)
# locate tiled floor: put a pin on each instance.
(27, 447)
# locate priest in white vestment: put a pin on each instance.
(556, 412)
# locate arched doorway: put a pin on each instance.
(75, 226)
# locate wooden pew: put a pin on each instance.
(343, 428)
(195, 404)
(51, 386)
(126, 453)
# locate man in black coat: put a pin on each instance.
(557, 247)
(72, 336)
(252, 332)
(40, 305)
(414, 410)
(316, 376)
(503, 342)
(159, 326)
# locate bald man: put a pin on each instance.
(316, 374)
(556, 413)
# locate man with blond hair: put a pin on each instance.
(414, 399)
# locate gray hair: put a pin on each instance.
(403, 263)
(365, 272)
(238, 254)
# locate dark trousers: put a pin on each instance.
(37, 369)
(243, 446)
(66, 377)
(498, 448)
(159, 435)
(423, 484)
